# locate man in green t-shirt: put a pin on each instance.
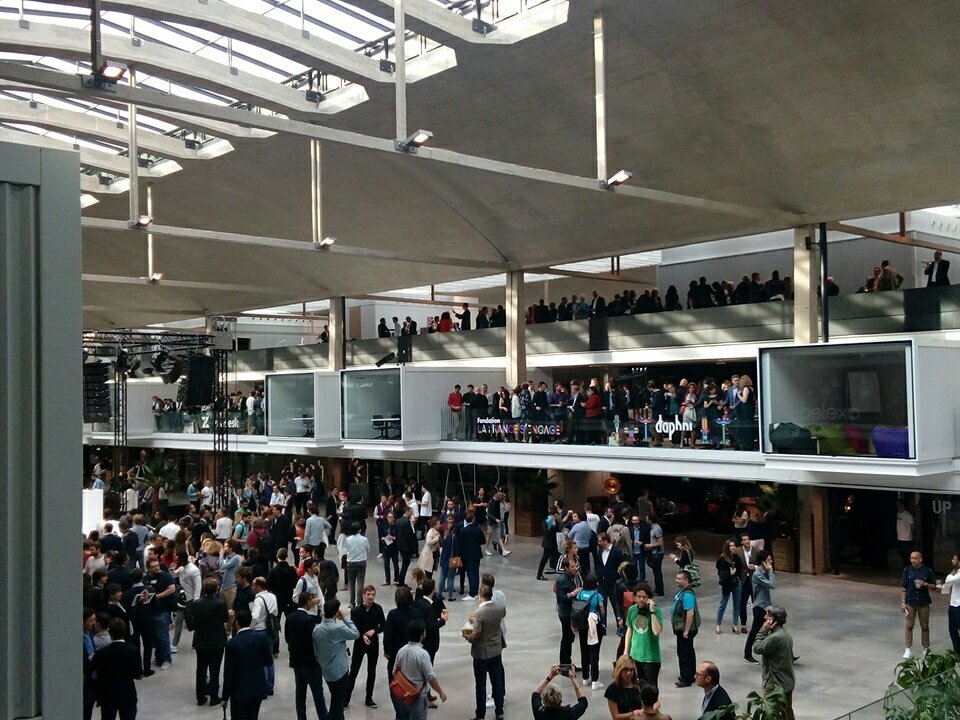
(644, 623)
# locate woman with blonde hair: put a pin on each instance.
(623, 693)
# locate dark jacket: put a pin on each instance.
(298, 633)
(247, 654)
(406, 537)
(117, 666)
(207, 617)
(607, 574)
(280, 581)
(395, 628)
(431, 610)
(565, 585)
(718, 700)
(472, 541)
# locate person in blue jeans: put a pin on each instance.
(654, 552)
(639, 538)
(160, 584)
(449, 549)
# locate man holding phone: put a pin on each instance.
(775, 646)
(547, 698)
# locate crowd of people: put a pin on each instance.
(247, 412)
(708, 413)
(289, 562)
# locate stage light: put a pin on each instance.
(142, 222)
(326, 243)
(386, 359)
(314, 96)
(618, 178)
(192, 144)
(412, 142)
(112, 73)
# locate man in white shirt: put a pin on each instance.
(263, 611)
(425, 511)
(356, 548)
(309, 584)
(170, 530)
(188, 575)
(302, 486)
(904, 533)
(593, 520)
(223, 527)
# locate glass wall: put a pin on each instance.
(290, 405)
(838, 400)
(371, 404)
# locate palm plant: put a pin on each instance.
(162, 471)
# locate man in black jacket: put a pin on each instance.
(298, 632)
(117, 667)
(369, 620)
(566, 589)
(206, 617)
(406, 544)
(708, 679)
(247, 656)
(434, 616)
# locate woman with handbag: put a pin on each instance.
(431, 547)
(450, 560)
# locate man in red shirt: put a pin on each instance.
(455, 403)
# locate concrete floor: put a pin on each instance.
(836, 624)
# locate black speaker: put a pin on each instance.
(200, 375)
(96, 394)
(404, 349)
(599, 336)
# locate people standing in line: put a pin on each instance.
(714, 694)
(566, 589)
(951, 587)
(590, 627)
(623, 693)
(764, 580)
(330, 639)
(775, 646)
(547, 699)
(644, 623)
(905, 528)
(207, 618)
(414, 662)
(117, 668)
(729, 570)
(745, 553)
(298, 634)
(915, 602)
(685, 617)
(471, 552)
(246, 659)
(369, 620)
(486, 648)
(653, 551)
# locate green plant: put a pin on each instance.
(926, 688)
(767, 706)
(727, 712)
(162, 471)
(780, 504)
(532, 489)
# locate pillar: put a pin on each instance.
(516, 345)
(804, 284)
(41, 443)
(814, 544)
(337, 328)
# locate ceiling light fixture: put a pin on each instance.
(155, 278)
(618, 178)
(112, 73)
(314, 96)
(325, 243)
(192, 144)
(412, 142)
(142, 222)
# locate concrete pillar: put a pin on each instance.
(804, 284)
(41, 443)
(814, 542)
(516, 329)
(337, 327)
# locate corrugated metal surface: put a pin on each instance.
(327, 405)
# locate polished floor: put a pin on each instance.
(849, 634)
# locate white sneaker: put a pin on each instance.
(489, 702)
(174, 650)
(165, 666)
(488, 552)
(469, 597)
(507, 552)
(379, 556)
(596, 685)
(907, 654)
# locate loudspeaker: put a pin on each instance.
(599, 337)
(96, 394)
(404, 349)
(200, 375)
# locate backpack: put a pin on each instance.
(581, 609)
(679, 621)
(694, 571)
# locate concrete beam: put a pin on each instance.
(171, 63)
(188, 284)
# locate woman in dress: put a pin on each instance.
(642, 643)
(688, 414)
(728, 570)
(431, 549)
(623, 694)
(745, 412)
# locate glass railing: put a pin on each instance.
(201, 422)
(937, 697)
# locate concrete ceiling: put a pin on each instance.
(804, 110)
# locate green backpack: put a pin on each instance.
(678, 620)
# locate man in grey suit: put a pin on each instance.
(487, 643)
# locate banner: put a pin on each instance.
(538, 428)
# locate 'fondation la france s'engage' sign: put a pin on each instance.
(495, 426)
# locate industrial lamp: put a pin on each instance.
(412, 142)
(618, 178)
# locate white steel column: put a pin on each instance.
(516, 341)
(601, 95)
(150, 269)
(400, 60)
(804, 284)
(133, 152)
(316, 193)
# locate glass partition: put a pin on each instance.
(838, 400)
(290, 405)
(371, 404)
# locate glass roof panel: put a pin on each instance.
(633, 260)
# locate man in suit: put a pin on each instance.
(298, 632)
(247, 656)
(486, 649)
(598, 305)
(406, 543)
(608, 560)
(708, 680)
(206, 617)
(117, 667)
(464, 317)
(472, 541)
(937, 270)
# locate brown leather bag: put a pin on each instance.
(402, 689)
(456, 562)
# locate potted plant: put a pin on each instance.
(926, 687)
(531, 492)
(768, 706)
(780, 507)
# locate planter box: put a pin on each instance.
(785, 555)
(526, 523)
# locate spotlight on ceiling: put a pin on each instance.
(314, 96)
(412, 142)
(105, 180)
(618, 178)
(386, 359)
(192, 143)
(326, 243)
(388, 66)
(112, 73)
(142, 222)
(155, 278)
(484, 28)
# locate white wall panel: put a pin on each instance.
(424, 396)
(327, 406)
(936, 393)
